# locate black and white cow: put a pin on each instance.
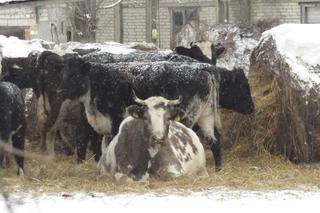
(152, 141)
(106, 89)
(12, 123)
(43, 73)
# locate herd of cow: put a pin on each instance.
(144, 105)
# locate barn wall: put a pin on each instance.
(285, 11)
(134, 19)
(105, 24)
(208, 15)
(36, 18)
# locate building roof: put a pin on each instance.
(12, 1)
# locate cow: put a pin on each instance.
(42, 71)
(234, 89)
(152, 56)
(152, 141)
(195, 52)
(104, 89)
(12, 123)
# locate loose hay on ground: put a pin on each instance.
(259, 172)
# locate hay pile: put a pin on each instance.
(287, 118)
(261, 172)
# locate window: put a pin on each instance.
(310, 13)
(180, 17)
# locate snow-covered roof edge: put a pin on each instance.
(13, 1)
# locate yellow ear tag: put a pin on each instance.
(135, 115)
(177, 118)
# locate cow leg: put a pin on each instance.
(18, 144)
(115, 127)
(206, 124)
(2, 153)
(216, 150)
(50, 141)
(83, 135)
(82, 141)
(95, 139)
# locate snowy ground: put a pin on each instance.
(216, 200)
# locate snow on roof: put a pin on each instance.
(299, 44)
(14, 47)
(8, 1)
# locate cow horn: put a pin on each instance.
(175, 102)
(136, 99)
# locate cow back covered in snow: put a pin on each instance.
(151, 140)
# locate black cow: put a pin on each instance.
(105, 57)
(106, 89)
(195, 52)
(234, 89)
(43, 72)
(12, 122)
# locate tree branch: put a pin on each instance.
(111, 5)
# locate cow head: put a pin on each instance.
(234, 92)
(14, 70)
(156, 112)
(75, 80)
(194, 52)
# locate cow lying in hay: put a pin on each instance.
(12, 123)
(152, 141)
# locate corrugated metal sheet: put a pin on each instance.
(313, 15)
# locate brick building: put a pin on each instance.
(147, 20)
(45, 19)
(133, 20)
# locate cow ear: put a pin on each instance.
(135, 111)
(86, 68)
(179, 114)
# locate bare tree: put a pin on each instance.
(83, 18)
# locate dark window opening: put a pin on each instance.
(181, 17)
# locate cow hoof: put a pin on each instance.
(20, 172)
(218, 169)
(80, 161)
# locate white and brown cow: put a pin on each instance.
(152, 140)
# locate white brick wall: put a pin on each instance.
(105, 24)
(286, 11)
(134, 23)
